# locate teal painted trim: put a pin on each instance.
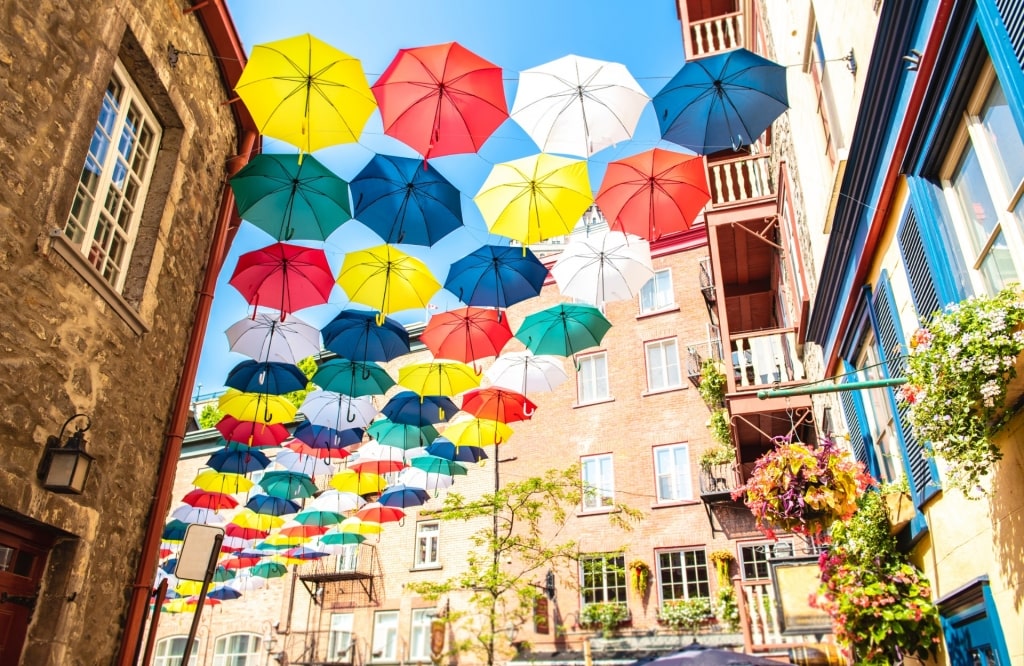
(1000, 49)
(944, 258)
(999, 639)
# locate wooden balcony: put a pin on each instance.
(741, 179)
(714, 35)
(763, 359)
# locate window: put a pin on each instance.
(592, 378)
(657, 293)
(672, 469)
(823, 92)
(754, 557)
(347, 557)
(662, 365)
(339, 640)
(983, 180)
(604, 578)
(881, 422)
(237, 650)
(598, 481)
(419, 637)
(169, 651)
(683, 574)
(107, 207)
(385, 636)
(426, 544)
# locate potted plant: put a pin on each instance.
(639, 576)
(686, 614)
(712, 383)
(802, 489)
(721, 429)
(899, 505)
(958, 374)
(606, 615)
(726, 609)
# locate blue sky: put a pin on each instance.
(644, 35)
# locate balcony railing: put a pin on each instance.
(741, 178)
(718, 481)
(718, 33)
(765, 358)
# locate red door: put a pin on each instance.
(23, 553)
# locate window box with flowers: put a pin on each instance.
(960, 381)
(605, 616)
(686, 615)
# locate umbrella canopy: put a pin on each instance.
(306, 92)
(256, 407)
(388, 279)
(257, 521)
(190, 514)
(303, 464)
(336, 410)
(283, 276)
(223, 593)
(350, 481)
(526, 373)
(318, 517)
(221, 482)
(376, 451)
(266, 338)
(466, 334)
(564, 329)
(578, 106)
(438, 377)
(355, 378)
(301, 554)
(251, 433)
(325, 437)
(237, 461)
(699, 655)
(268, 570)
(364, 336)
(302, 530)
(442, 447)
(403, 496)
(355, 525)
(336, 538)
(287, 484)
(654, 193)
(496, 276)
(441, 99)
(534, 198)
(174, 530)
(722, 101)
(327, 454)
(205, 499)
(271, 506)
(410, 408)
(273, 377)
(376, 512)
(477, 432)
(376, 466)
(247, 582)
(335, 501)
(291, 198)
(603, 267)
(401, 435)
(405, 200)
(413, 477)
(498, 404)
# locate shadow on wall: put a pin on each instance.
(1007, 506)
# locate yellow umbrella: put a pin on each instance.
(177, 606)
(355, 525)
(187, 588)
(306, 92)
(534, 198)
(256, 407)
(350, 481)
(278, 540)
(438, 378)
(249, 519)
(387, 279)
(477, 432)
(222, 482)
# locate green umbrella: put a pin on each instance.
(221, 575)
(318, 518)
(287, 485)
(291, 199)
(354, 378)
(334, 538)
(563, 330)
(401, 435)
(269, 569)
(437, 465)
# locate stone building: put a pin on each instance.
(107, 275)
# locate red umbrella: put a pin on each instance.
(377, 513)
(467, 334)
(240, 562)
(205, 499)
(377, 467)
(654, 193)
(441, 99)
(236, 530)
(251, 433)
(285, 277)
(321, 452)
(498, 404)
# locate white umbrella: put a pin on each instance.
(604, 267)
(245, 582)
(190, 514)
(527, 373)
(266, 338)
(337, 411)
(577, 106)
(301, 462)
(336, 501)
(414, 477)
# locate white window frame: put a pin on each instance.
(881, 421)
(767, 549)
(659, 292)
(598, 474)
(693, 574)
(347, 557)
(612, 576)
(170, 650)
(339, 640)
(657, 358)
(673, 476)
(428, 544)
(419, 634)
(592, 378)
(385, 636)
(113, 127)
(221, 656)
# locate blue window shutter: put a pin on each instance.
(1012, 13)
(858, 434)
(920, 469)
(915, 261)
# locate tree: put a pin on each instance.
(210, 415)
(522, 544)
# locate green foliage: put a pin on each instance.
(209, 416)
(957, 375)
(721, 433)
(880, 603)
(606, 615)
(639, 576)
(712, 383)
(686, 614)
(726, 609)
(308, 366)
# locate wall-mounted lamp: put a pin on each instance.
(851, 62)
(65, 466)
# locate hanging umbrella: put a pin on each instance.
(285, 277)
(204, 499)
(287, 484)
(336, 410)
(350, 481)
(192, 515)
(403, 496)
(466, 334)
(336, 538)
(410, 408)
(174, 530)
(436, 465)
(327, 454)
(442, 447)
(257, 521)
(438, 377)
(376, 512)
(336, 501)
(496, 276)
(654, 193)
(722, 101)
(325, 437)
(699, 655)
(266, 338)
(271, 506)
(477, 432)
(355, 525)
(376, 451)
(578, 106)
(376, 466)
(498, 404)
(318, 517)
(305, 532)
(354, 378)
(413, 477)
(223, 593)
(405, 200)
(534, 198)
(222, 575)
(526, 373)
(303, 464)
(235, 563)
(441, 99)
(269, 570)
(251, 433)
(221, 482)
(248, 582)
(246, 535)
(564, 329)
(388, 279)
(256, 407)
(302, 554)
(237, 461)
(291, 198)
(305, 92)
(603, 267)
(272, 377)
(364, 336)
(401, 435)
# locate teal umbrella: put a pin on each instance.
(401, 435)
(291, 199)
(287, 485)
(335, 538)
(436, 465)
(563, 330)
(269, 569)
(355, 378)
(318, 517)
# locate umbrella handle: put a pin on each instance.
(267, 416)
(528, 412)
(379, 318)
(350, 416)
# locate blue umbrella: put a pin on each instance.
(223, 593)
(403, 496)
(271, 506)
(445, 448)
(323, 437)
(237, 461)
(354, 334)
(722, 101)
(410, 408)
(496, 276)
(406, 200)
(174, 530)
(268, 377)
(169, 565)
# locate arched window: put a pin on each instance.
(170, 650)
(237, 650)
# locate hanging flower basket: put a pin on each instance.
(639, 576)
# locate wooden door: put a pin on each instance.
(23, 554)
